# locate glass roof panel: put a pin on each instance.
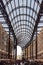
(16, 1)
(22, 14)
(20, 2)
(13, 7)
(29, 3)
(9, 7)
(32, 5)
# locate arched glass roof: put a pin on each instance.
(23, 15)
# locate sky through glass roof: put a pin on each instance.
(23, 15)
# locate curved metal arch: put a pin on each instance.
(15, 3)
(23, 15)
(23, 31)
(24, 20)
(23, 7)
(23, 28)
(25, 34)
(23, 38)
(24, 41)
(21, 44)
(34, 0)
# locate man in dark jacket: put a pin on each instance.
(1, 63)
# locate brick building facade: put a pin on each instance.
(39, 47)
(4, 41)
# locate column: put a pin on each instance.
(9, 44)
(30, 51)
(27, 53)
(15, 49)
(36, 44)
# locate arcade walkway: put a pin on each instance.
(21, 23)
